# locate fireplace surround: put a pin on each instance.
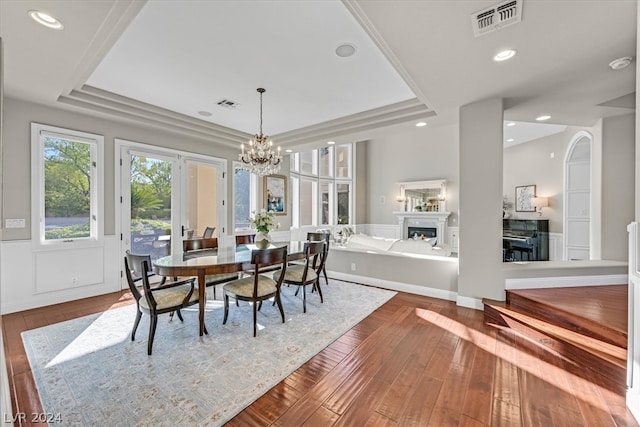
(423, 220)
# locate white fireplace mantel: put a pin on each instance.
(437, 220)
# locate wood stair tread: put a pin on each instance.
(611, 353)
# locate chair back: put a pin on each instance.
(262, 258)
(313, 251)
(189, 245)
(135, 263)
(245, 239)
(208, 232)
(130, 280)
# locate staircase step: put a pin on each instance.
(532, 303)
(607, 361)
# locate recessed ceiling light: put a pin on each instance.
(288, 150)
(205, 113)
(421, 124)
(511, 124)
(543, 118)
(45, 19)
(620, 63)
(345, 50)
(504, 55)
(331, 142)
(510, 140)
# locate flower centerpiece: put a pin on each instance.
(263, 222)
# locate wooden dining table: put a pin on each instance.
(224, 259)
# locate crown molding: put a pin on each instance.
(123, 108)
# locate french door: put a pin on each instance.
(167, 196)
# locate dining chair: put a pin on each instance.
(302, 275)
(244, 239)
(319, 236)
(193, 247)
(258, 287)
(166, 298)
(135, 262)
(208, 232)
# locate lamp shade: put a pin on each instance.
(539, 202)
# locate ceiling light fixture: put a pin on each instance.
(260, 159)
(331, 142)
(504, 55)
(288, 150)
(620, 63)
(45, 19)
(345, 50)
(205, 113)
(510, 140)
(421, 124)
(511, 124)
(543, 118)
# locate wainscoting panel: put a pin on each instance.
(68, 268)
(33, 279)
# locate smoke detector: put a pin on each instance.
(619, 63)
(496, 17)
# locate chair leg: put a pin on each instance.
(152, 333)
(304, 298)
(259, 305)
(324, 271)
(317, 286)
(214, 291)
(226, 309)
(279, 302)
(179, 315)
(135, 325)
(255, 318)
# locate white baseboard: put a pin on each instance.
(470, 302)
(565, 281)
(395, 286)
(5, 391)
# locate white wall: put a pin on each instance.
(410, 154)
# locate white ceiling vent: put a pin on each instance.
(495, 17)
(227, 103)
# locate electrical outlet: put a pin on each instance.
(353, 266)
(74, 280)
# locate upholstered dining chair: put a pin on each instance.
(135, 262)
(258, 287)
(208, 232)
(319, 236)
(245, 239)
(166, 298)
(197, 247)
(302, 275)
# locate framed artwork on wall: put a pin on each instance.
(524, 194)
(275, 194)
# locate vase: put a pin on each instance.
(262, 240)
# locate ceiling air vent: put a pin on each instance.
(227, 103)
(496, 17)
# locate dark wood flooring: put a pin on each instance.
(415, 361)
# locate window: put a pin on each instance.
(322, 187)
(67, 187)
(244, 196)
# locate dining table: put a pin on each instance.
(224, 259)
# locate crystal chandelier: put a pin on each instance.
(260, 158)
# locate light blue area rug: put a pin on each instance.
(88, 370)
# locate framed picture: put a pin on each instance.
(523, 198)
(275, 194)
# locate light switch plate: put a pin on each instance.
(14, 223)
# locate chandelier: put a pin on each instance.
(260, 158)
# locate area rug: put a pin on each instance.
(89, 372)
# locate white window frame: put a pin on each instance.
(96, 143)
(253, 195)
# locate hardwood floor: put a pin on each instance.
(415, 361)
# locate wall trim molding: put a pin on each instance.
(395, 286)
(470, 302)
(565, 281)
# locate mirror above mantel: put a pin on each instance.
(423, 196)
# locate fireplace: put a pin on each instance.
(422, 232)
(431, 224)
